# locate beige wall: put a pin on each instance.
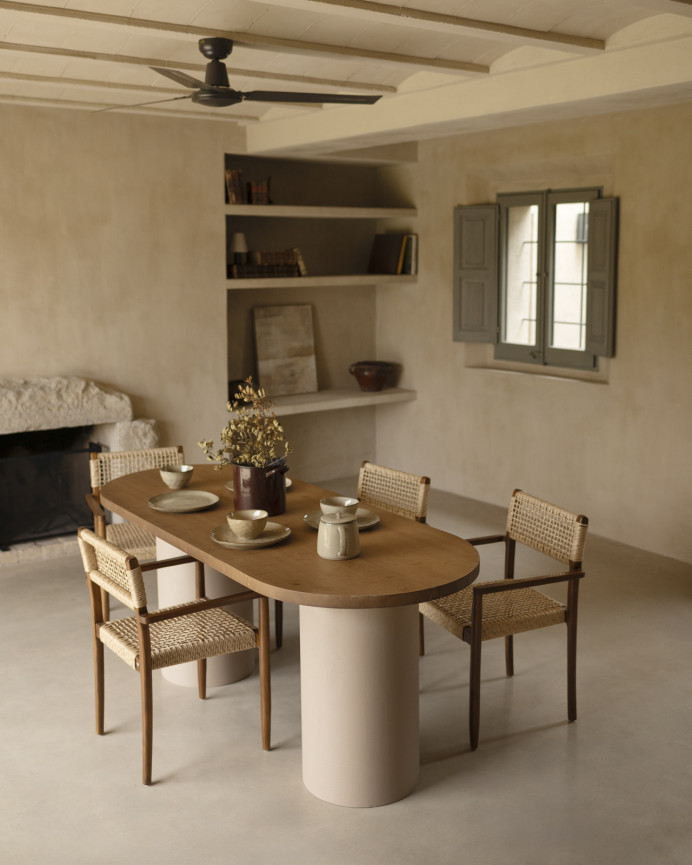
(618, 451)
(112, 238)
(112, 235)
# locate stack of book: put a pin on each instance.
(264, 263)
(394, 253)
(241, 191)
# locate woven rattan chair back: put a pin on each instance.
(394, 491)
(551, 530)
(113, 569)
(108, 466)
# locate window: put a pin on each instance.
(535, 275)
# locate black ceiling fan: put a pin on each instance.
(216, 92)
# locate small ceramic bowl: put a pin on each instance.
(339, 504)
(248, 524)
(176, 477)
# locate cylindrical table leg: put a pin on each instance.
(177, 585)
(359, 702)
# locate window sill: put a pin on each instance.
(481, 356)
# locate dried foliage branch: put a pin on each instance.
(253, 436)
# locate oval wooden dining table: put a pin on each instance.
(358, 623)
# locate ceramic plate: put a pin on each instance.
(273, 533)
(365, 519)
(183, 501)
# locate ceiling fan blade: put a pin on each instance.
(142, 104)
(288, 96)
(182, 78)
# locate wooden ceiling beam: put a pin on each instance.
(192, 67)
(248, 39)
(366, 9)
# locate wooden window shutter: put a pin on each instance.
(601, 272)
(475, 273)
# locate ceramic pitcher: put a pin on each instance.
(337, 536)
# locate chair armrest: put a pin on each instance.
(525, 582)
(486, 539)
(197, 607)
(167, 563)
(95, 506)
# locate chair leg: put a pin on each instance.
(421, 635)
(202, 678)
(279, 623)
(509, 655)
(264, 671)
(147, 723)
(105, 605)
(98, 684)
(572, 669)
(475, 693)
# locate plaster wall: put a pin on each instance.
(617, 449)
(112, 238)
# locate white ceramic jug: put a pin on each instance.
(337, 536)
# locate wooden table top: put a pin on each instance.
(401, 561)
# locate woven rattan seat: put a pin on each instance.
(502, 608)
(503, 613)
(148, 641)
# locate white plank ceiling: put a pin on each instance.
(440, 65)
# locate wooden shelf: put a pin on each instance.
(342, 398)
(342, 280)
(308, 212)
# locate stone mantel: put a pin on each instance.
(54, 402)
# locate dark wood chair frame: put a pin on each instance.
(472, 634)
(144, 620)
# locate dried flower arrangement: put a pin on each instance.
(253, 436)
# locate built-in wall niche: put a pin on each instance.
(341, 337)
(331, 212)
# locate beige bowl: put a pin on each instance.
(247, 524)
(339, 504)
(176, 477)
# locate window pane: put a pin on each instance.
(519, 320)
(568, 324)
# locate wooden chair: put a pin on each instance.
(506, 607)
(394, 491)
(108, 466)
(389, 490)
(148, 641)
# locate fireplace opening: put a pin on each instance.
(44, 478)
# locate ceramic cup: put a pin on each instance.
(176, 477)
(339, 504)
(247, 524)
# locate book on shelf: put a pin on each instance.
(235, 187)
(410, 262)
(393, 253)
(302, 269)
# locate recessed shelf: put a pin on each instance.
(311, 212)
(342, 280)
(339, 398)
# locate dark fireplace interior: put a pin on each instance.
(44, 477)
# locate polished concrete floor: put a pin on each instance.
(615, 787)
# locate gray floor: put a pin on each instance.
(613, 788)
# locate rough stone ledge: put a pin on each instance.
(53, 402)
